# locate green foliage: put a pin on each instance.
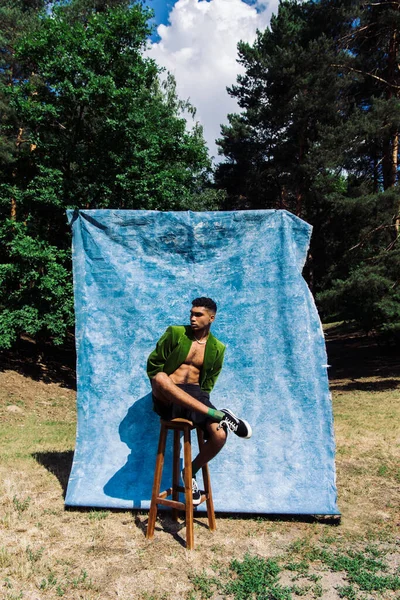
(35, 286)
(366, 284)
(362, 569)
(203, 584)
(380, 306)
(88, 124)
(48, 582)
(98, 515)
(300, 567)
(21, 505)
(256, 578)
(347, 591)
(34, 555)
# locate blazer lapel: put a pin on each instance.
(210, 354)
(185, 344)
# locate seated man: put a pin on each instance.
(183, 370)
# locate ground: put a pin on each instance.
(47, 552)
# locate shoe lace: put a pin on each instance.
(195, 487)
(229, 424)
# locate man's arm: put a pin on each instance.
(156, 360)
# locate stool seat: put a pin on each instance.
(179, 426)
(178, 423)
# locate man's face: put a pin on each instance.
(200, 317)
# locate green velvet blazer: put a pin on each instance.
(172, 349)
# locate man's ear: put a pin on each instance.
(212, 316)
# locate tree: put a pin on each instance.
(96, 129)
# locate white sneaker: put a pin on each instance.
(196, 494)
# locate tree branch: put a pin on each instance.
(368, 235)
(353, 33)
(397, 87)
(379, 4)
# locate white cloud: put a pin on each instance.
(199, 47)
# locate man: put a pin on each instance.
(183, 370)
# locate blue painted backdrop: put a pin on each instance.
(135, 273)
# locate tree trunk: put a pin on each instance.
(299, 204)
(386, 162)
(18, 142)
(299, 193)
(392, 70)
(395, 155)
(390, 144)
(375, 172)
(309, 271)
(13, 213)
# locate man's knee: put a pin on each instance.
(218, 436)
(159, 380)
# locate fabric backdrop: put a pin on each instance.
(135, 273)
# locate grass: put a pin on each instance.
(47, 552)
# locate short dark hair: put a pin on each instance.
(206, 302)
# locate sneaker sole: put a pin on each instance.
(249, 430)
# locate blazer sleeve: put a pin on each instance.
(157, 358)
(212, 375)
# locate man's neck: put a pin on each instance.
(201, 333)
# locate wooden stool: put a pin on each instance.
(178, 426)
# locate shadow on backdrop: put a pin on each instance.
(139, 430)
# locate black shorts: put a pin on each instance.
(175, 411)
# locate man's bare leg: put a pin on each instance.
(215, 443)
(165, 390)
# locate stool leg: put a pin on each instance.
(175, 471)
(157, 482)
(207, 487)
(187, 453)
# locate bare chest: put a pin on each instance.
(196, 355)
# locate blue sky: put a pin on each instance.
(161, 9)
(196, 40)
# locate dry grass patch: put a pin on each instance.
(368, 442)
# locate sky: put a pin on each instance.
(196, 40)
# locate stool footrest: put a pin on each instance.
(166, 493)
(171, 503)
(161, 498)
